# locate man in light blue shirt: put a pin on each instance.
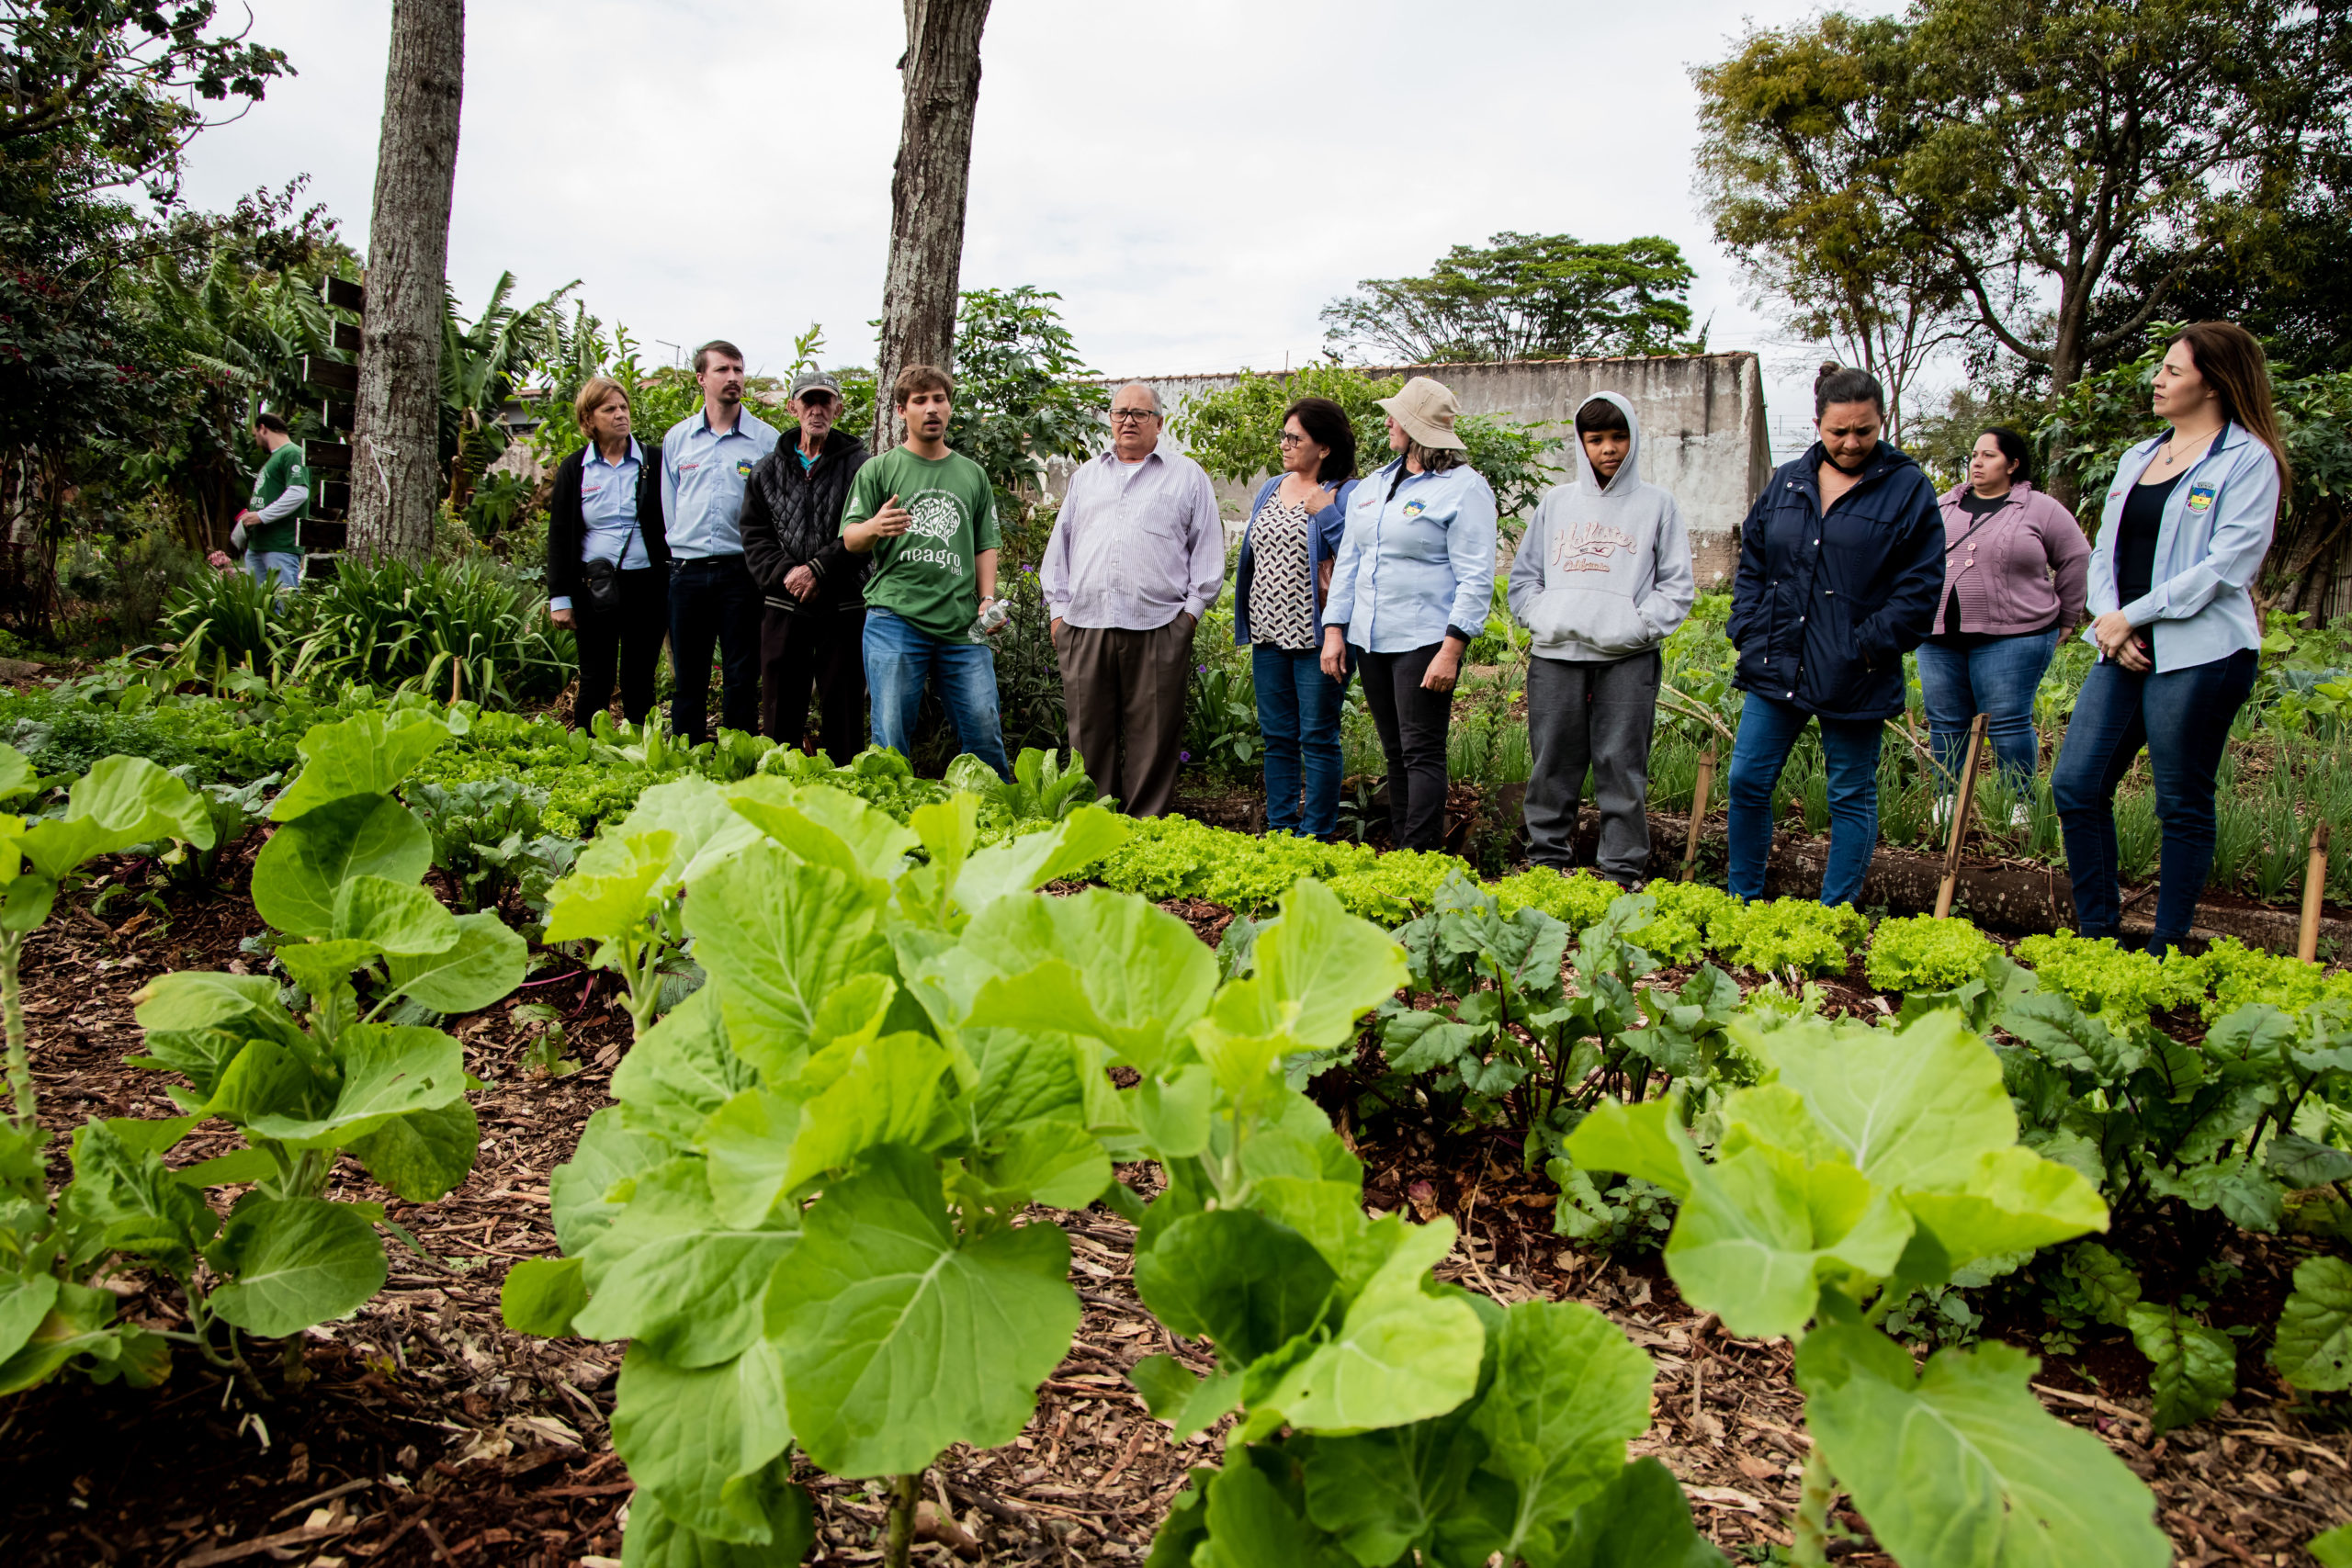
(714, 603)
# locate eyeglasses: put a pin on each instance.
(819, 400)
(1134, 413)
(1287, 439)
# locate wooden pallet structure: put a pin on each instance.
(328, 528)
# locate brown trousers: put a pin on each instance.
(1125, 692)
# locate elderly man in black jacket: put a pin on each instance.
(815, 630)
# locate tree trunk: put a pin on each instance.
(396, 441)
(941, 74)
(2066, 369)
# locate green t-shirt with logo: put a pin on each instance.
(284, 469)
(926, 576)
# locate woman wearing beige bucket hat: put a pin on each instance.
(1411, 587)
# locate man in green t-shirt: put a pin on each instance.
(929, 517)
(270, 526)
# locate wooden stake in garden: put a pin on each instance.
(1698, 811)
(1962, 803)
(2315, 883)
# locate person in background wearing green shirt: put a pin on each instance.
(269, 529)
(929, 517)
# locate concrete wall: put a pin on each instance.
(1703, 431)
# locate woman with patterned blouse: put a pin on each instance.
(1285, 570)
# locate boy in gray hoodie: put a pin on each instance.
(1602, 577)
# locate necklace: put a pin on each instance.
(2170, 452)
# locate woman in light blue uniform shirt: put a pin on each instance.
(1410, 589)
(2188, 519)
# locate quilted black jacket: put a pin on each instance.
(792, 517)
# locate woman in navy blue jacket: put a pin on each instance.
(1841, 562)
(1278, 593)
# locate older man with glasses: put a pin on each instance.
(1135, 559)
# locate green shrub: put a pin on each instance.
(391, 623)
(1923, 953)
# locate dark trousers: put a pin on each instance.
(1592, 717)
(1413, 725)
(821, 646)
(2183, 718)
(714, 604)
(1124, 692)
(629, 638)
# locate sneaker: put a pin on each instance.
(2021, 815)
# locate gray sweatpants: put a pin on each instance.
(1599, 717)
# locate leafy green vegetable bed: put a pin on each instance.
(813, 1212)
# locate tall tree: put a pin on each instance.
(106, 93)
(940, 74)
(2038, 150)
(1523, 297)
(97, 99)
(1796, 124)
(2282, 275)
(396, 441)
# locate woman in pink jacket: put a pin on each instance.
(2016, 566)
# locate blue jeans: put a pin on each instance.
(1997, 678)
(284, 565)
(1768, 729)
(900, 658)
(1298, 713)
(714, 604)
(2183, 718)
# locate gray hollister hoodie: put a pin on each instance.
(1603, 573)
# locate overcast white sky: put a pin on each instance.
(1195, 179)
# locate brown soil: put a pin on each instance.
(423, 1431)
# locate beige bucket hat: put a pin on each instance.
(1426, 410)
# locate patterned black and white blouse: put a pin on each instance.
(1282, 587)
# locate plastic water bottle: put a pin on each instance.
(993, 614)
